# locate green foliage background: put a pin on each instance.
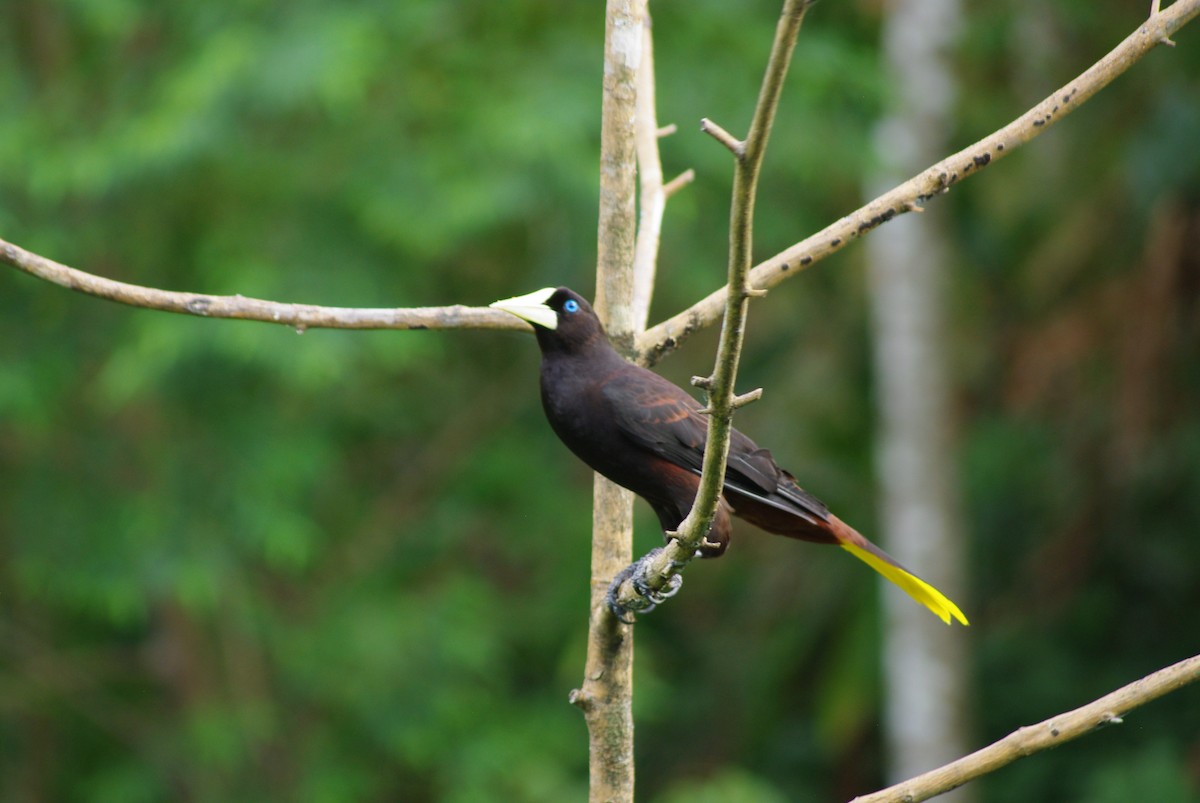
(239, 563)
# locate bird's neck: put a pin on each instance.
(571, 370)
(593, 346)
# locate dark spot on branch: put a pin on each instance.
(877, 220)
(785, 266)
(806, 260)
(1039, 123)
(836, 242)
(999, 146)
(983, 159)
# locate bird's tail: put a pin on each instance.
(850, 540)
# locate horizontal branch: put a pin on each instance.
(660, 340)
(300, 316)
(1031, 739)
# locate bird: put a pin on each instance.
(648, 435)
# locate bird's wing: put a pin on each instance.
(660, 417)
(657, 416)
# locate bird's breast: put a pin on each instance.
(574, 408)
(575, 405)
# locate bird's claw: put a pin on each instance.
(648, 598)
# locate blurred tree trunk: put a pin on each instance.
(925, 662)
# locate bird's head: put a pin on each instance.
(562, 319)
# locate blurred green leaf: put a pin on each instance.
(246, 564)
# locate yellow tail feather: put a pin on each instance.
(914, 586)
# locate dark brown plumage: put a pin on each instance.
(648, 435)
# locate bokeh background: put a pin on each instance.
(242, 563)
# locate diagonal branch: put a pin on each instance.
(660, 569)
(299, 316)
(663, 338)
(1108, 710)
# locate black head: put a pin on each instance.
(562, 319)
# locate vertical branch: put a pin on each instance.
(653, 193)
(650, 179)
(664, 565)
(607, 691)
(748, 156)
(606, 696)
(617, 232)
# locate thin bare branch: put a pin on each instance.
(663, 338)
(1108, 710)
(679, 182)
(732, 143)
(650, 178)
(299, 316)
(658, 572)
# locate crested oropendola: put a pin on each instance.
(647, 435)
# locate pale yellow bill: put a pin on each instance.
(530, 307)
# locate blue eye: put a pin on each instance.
(571, 306)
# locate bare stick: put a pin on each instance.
(1108, 710)
(732, 143)
(663, 338)
(650, 178)
(663, 565)
(299, 316)
(679, 182)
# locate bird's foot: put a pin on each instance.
(648, 597)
